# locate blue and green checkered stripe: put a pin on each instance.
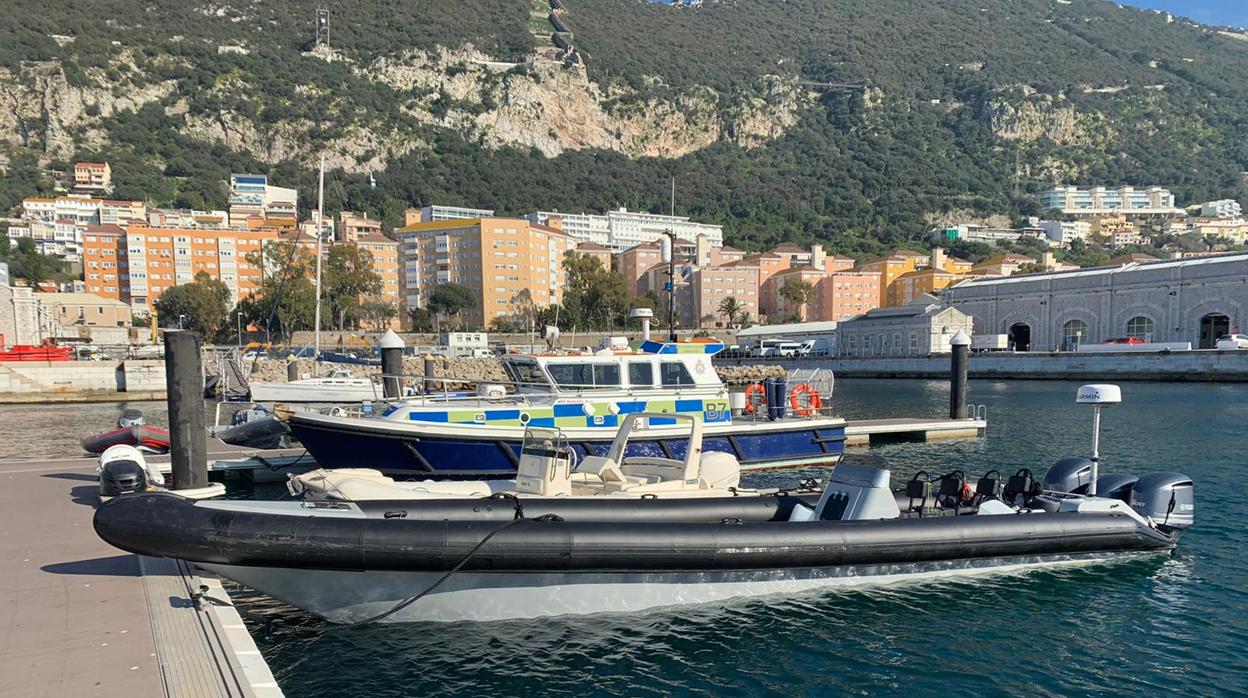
(572, 414)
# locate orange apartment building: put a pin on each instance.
(137, 263)
(385, 254)
(496, 258)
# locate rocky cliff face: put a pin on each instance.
(545, 105)
(555, 108)
(39, 108)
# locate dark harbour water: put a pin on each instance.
(1163, 625)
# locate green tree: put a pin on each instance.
(451, 299)
(422, 320)
(730, 308)
(348, 277)
(593, 298)
(286, 299)
(796, 293)
(26, 262)
(200, 305)
(377, 313)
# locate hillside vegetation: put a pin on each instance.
(855, 123)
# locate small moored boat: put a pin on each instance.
(132, 430)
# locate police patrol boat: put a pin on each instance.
(492, 558)
(586, 396)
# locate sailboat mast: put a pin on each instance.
(320, 212)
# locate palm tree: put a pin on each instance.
(730, 308)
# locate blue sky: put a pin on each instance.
(1219, 12)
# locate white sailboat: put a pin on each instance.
(337, 386)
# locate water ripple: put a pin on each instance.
(1158, 625)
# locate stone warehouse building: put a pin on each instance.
(1190, 300)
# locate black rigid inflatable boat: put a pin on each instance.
(348, 562)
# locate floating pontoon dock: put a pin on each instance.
(81, 618)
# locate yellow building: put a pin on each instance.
(906, 264)
(908, 287)
(497, 258)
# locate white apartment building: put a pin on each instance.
(252, 195)
(79, 209)
(1065, 232)
(434, 213)
(1092, 201)
(623, 229)
(972, 232)
(1222, 208)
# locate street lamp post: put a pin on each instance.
(181, 321)
(239, 318)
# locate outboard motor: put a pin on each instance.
(123, 469)
(1167, 499)
(130, 418)
(1071, 474)
(1116, 486)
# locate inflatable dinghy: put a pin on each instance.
(147, 438)
(350, 562)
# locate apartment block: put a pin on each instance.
(435, 213)
(1091, 201)
(971, 232)
(186, 218)
(496, 258)
(93, 177)
(385, 253)
(137, 263)
(622, 229)
(352, 226)
(1231, 229)
(251, 196)
(845, 294)
(1222, 208)
(1064, 233)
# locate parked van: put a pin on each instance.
(778, 347)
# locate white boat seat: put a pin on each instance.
(605, 468)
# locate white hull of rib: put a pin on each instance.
(345, 597)
(315, 390)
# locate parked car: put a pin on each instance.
(1126, 340)
(1232, 341)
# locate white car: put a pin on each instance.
(1232, 341)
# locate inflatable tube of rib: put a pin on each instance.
(153, 439)
(243, 534)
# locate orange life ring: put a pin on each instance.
(813, 403)
(754, 388)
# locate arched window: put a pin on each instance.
(1140, 327)
(1074, 333)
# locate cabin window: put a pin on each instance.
(572, 375)
(606, 375)
(641, 375)
(675, 374)
(585, 375)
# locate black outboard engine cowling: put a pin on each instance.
(1166, 498)
(1071, 474)
(120, 477)
(1116, 486)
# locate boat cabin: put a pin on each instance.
(653, 366)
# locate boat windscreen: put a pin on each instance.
(527, 375)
